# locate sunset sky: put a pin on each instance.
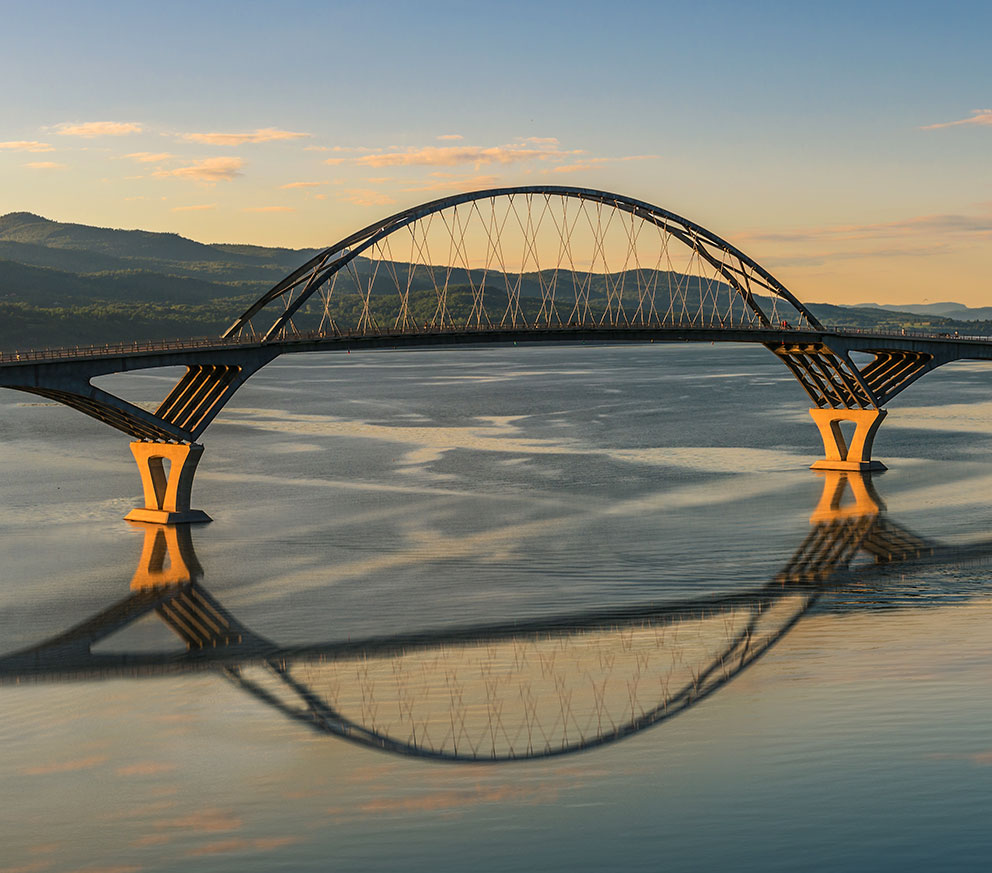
(844, 146)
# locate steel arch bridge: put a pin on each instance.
(538, 264)
(656, 266)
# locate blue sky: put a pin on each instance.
(803, 133)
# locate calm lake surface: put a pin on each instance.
(640, 533)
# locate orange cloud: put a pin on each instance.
(66, 766)
(21, 145)
(45, 165)
(978, 116)
(365, 197)
(450, 136)
(150, 840)
(90, 129)
(260, 844)
(149, 157)
(262, 134)
(451, 156)
(207, 170)
(289, 185)
(454, 182)
(33, 867)
(205, 820)
(590, 163)
(146, 768)
(121, 868)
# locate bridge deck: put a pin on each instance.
(204, 350)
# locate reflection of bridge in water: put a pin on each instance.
(535, 264)
(512, 691)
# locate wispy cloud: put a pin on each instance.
(450, 136)
(454, 182)
(268, 209)
(333, 162)
(262, 134)
(820, 258)
(90, 129)
(452, 156)
(290, 185)
(978, 116)
(69, 766)
(949, 224)
(197, 207)
(207, 170)
(45, 165)
(146, 768)
(149, 157)
(256, 844)
(594, 163)
(21, 145)
(365, 197)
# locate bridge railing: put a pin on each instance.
(212, 342)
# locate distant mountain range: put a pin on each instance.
(956, 311)
(66, 284)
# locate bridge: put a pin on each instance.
(538, 264)
(523, 690)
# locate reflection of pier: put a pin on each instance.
(496, 692)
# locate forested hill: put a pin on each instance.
(71, 284)
(30, 239)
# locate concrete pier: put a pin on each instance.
(167, 491)
(838, 453)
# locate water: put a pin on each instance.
(392, 495)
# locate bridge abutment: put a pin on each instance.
(167, 491)
(841, 453)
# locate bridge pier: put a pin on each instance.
(167, 491)
(839, 454)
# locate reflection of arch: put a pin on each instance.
(516, 691)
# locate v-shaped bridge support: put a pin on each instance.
(167, 488)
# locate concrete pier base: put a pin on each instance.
(838, 454)
(167, 493)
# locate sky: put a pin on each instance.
(843, 146)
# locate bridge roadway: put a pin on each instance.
(19, 368)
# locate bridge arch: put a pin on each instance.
(525, 256)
